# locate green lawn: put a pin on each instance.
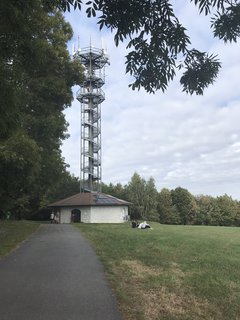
(171, 272)
(14, 232)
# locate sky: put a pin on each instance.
(178, 139)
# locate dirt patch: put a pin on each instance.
(160, 301)
(177, 274)
(140, 270)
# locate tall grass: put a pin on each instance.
(171, 272)
(14, 232)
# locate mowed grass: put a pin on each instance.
(171, 272)
(14, 232)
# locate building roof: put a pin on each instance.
(89, 199)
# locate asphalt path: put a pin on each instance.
(55, 275)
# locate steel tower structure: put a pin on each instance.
(90, 95)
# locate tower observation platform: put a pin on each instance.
(90, 95)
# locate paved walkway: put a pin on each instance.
(55, 275)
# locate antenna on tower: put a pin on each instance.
(78, 43)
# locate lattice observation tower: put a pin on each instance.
(91, 95)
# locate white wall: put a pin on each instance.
(85, 214)
(95, 214)
(109, 214)
(66, 212)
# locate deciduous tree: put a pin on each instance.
(143, 195)
(167, 211)
(207, 210)
(228, 210)
(37, 75)
(185, 205)
(136, 189)
(151, 196)
(158, 43)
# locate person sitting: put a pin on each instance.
(144, 225)
(134, 224)
(52, 217)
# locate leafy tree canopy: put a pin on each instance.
(167, 211)
(177, 206)
(36, 78)
(158, 43)
(185, 204)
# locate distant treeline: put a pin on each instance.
(176, 206)
(166, 206)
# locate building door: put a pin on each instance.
(76, 215)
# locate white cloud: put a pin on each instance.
(180, 140)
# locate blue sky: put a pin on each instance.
(178, 139)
